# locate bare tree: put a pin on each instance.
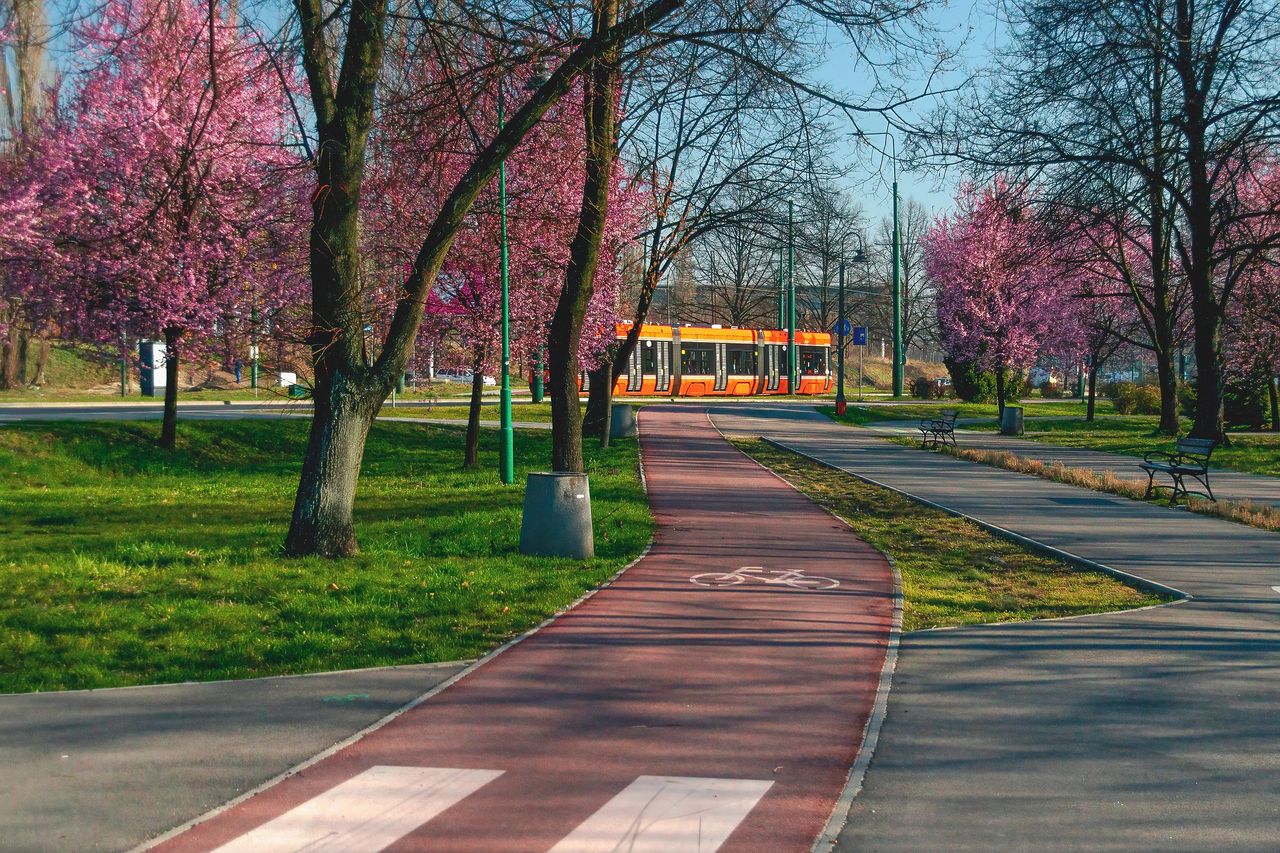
(1153, 114)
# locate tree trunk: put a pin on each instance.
(1093, 387)
(1275, 403)
(471, 456)
(42, 360)
(24, 353)
(599, 402)
(1000, 377)
(169, 424)
(1209, 375)
(600, 121)
(9, 362)
(1168, 378)
(322, 513)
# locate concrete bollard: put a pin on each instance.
(1011, 423)
(622, 421)
(557, 517)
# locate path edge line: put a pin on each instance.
(1034, 544)
(412, 703)
(830, 833)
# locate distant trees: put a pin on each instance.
(1152, 117)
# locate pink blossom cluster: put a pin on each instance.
(1003, 301)
(159, 197)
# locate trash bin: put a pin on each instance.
(622, 421)
(297, 392)
(1011, 422)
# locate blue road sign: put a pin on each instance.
(843, 326)
(859, 335)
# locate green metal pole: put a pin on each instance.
(898, 359)
(124, 377)
(506, 435)
(782, 287)
(791, 300)
(840, 401)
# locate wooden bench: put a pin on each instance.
(935, 432)
(1189, 459)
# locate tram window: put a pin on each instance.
(648, 358)
(742, 360)
(697, 360)
(813, 361)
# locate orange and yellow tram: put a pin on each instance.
(697, 361)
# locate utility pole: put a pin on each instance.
(898, 359)
(792, 375)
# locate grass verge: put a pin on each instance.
(908, 411)
(1263, 516)
(122, 564)
(1255, 453)
(953, 572)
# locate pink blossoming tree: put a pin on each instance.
(1000, 304)
(166, 194)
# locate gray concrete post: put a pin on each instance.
(557, 517)
(622, 421)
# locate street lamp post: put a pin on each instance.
(899, 359)
(506, 434)
(791, 301)
(842, 330)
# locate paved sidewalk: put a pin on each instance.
(1227, 485)
(685, 707)
(105, 769)
(1150, 730)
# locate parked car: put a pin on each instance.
(462, 376)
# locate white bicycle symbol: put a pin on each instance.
(759, 574)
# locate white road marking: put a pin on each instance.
(364, 814)
(667, 814)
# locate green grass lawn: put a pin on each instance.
(1135, 435)
(122, 564)
(860, 415)
(521, 410)
(953, 572)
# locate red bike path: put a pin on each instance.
(657, 715)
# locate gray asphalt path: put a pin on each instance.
(1150, 730)
(1228, 485)
(108, 769)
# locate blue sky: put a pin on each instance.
(966, 26)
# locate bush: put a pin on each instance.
(971, 384)
(975, 385)
(1134, 399)
(1244, 401)
(1051, 390)
(923, 388)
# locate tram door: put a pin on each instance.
(772, 367)
(635, 373)
(722, 369)
(662, 365)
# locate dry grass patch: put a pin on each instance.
(1263, 516)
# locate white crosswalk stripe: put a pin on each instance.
(366, 813)
(667, 814)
